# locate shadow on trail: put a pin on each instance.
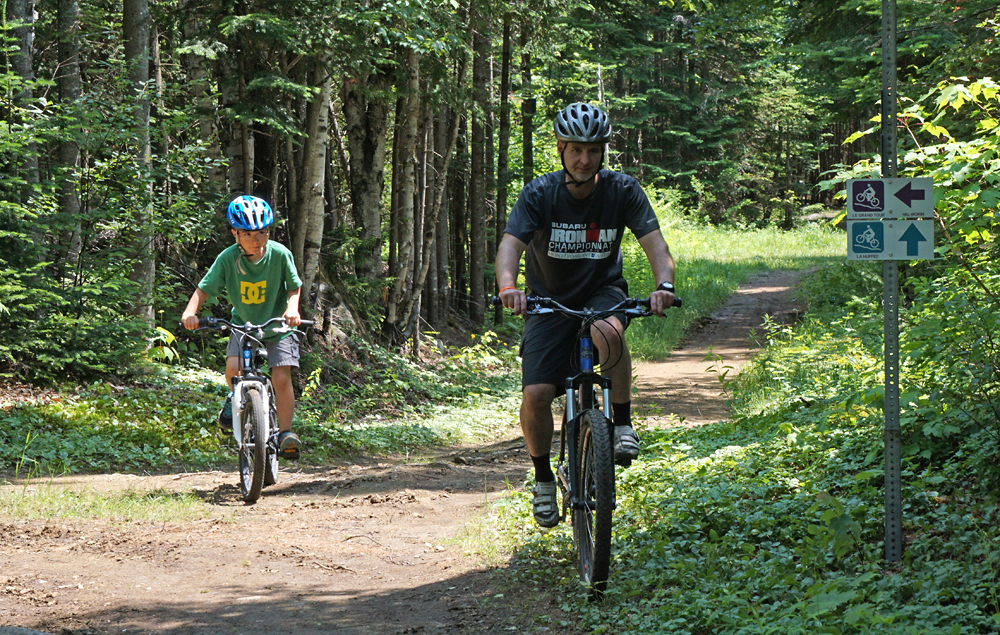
(464, 604)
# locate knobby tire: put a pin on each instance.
(253, 451)
(271, 467)
(596, 487)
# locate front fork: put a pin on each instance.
(579, 397)
(240, 386)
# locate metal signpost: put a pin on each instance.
(890, 299)
(890, 219)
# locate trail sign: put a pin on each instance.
(890, 198)
(890, 239)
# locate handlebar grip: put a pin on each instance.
(677, 303)
(306, 322)
(206, 322)
(496, 301)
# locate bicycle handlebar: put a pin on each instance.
(635, 307)
(218, 323)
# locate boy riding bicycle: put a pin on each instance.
(570, 224)
(260, 280)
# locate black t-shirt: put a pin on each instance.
(574, 245)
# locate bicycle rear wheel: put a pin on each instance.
(595, 486)
(253, 446)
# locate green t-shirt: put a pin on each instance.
(258, 291)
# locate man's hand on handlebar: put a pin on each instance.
(514, 299)
(660, 301)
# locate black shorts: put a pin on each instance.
(549, 344)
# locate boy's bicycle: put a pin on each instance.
(255, 415)
(586, 468)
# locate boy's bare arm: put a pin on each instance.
(190, 315)
(291, 315)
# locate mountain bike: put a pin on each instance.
(586, 468)
(255, 415)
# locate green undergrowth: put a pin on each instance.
(773, 521)
(165, 419)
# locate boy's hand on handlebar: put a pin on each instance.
(190, 321)
(515, 300)
(292, 317)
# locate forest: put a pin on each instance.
(392, 137)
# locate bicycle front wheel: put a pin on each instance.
(271, 465)
(253, 446)
(595, 487)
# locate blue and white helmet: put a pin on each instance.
(249, 213)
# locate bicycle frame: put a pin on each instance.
(248, 377)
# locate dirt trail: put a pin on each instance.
(355, 549)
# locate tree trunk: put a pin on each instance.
(23, 11)
(69, 85)
(401, 291)
(136, 28)
(459, 225)
(366, 110)
(308, 237)
(477, 183)
(436, 198)
(527, 109)
(199, 76)
(503, 156)
(235, 136)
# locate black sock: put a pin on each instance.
(622, 413)
(543, 469)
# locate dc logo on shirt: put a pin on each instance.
(253, 292)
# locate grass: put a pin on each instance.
(39, 498)
(711, 263)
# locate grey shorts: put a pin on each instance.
(284, 352)
(548, 343)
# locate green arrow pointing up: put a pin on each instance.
(912, 237)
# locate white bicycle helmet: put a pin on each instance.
(582, 123)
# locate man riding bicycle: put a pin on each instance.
(261, 281)
(570, 224)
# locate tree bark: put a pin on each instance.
(527, 109)
(199, 76)
(23, 11)
(69, 84)
(477, 194)
(503, 152)
(366, 110)
(136, 27)
(308, 237)
(401, 289)
(436, 198)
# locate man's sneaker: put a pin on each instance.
(226, 415)
(626, 445)
(544, 505)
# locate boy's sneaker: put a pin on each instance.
(226, 415)
(288, 445)
(626, 445)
